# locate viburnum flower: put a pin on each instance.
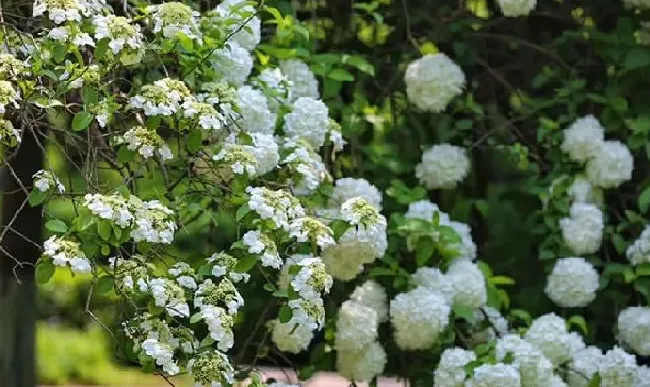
(145, 142)
(124, 37)
(303, 82)
(279, 206)
(256, 117)
(491, 375)
(572, 283)
(634, 329)
(451, 369)
(313, 231)
(240, 22)
(617, 368)
(235, 159)
(164, 97)
(514, 8)
(362, 365)
(276, 87)
(204, 114)
(45, 180)
(223, 265)
(584, 365)
(261, 244)
(153, 222)
(263, 148)
(468, 283)
(184, 274)
(219, 324)
(173, 18)
(8, 95)
(549, 334)
(611, 166)
(60, 11)
(113, 207)
(356, 326)
(293, 336)
(169, 295)
(497, 327)
(639, 251)
(233, 63)
(418, 318)
(347, 188)
(222, 294)
(11, 67)
(583, 230)
(211, 369)
(308, 168)
(583, 191)
(583, 139)
(425, 210)
(308, 120)
(433, 81)
(434, 280)
(129, 274)
(534, 368)
(311, 280)
(9, 136)
(64, 252)
(443, 167)
(372, 295)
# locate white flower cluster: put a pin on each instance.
(443, 167)
(433, 81)
(164, 97)
(168, 294)
(211, 369)
(64, 252)
(234, 159)
(204, 113)
(60, 11)
(240, 22)
(259, 243)
(223, 265)
(356, 326)
(313, 231)
(148, 221)
(572, 283)
(124, 38)
(609, 163)
(8, 95)
(583, 191)
(45, 180)
(184, 274)
(348, 188)
(308, 167)
(463, 286)
(514, 8)
(549, 334)
(145, 142)
(418, 318)
(173, 18)
(490, 375)
(9, 135)
(308, 120)
(426, 210)
(497, 324)
(307, 277)
(634, 329)
(217, 304)
(129, 273)
(303, 83)
(254, 113)
(278, 206)
(372, 295)
(233, 63)
(451, 368)
(583, 229)
(361, 244)
(639, 251)
(276, 86)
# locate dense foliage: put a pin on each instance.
(451, 193)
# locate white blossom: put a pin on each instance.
(65, 252)
(302, 80)
(256, 117)
(45, 180)
(492, 375)
(634, 329)
(584, 365)
(549, 334)
(617, 368)
(468, 282)
(583, 229)
(583, 139)
(572, 283)
(434, 280)
(514, 8)
(173, 18)
(611, 166)
(450, 371)
(372, 295)
(233, 63)
(362, 365)
(356, 326)
(347, 188)
(443, 167)
(433, 81)
(639, 251)
(308, 120)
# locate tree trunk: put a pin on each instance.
(17, 286)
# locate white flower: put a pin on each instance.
(8, 95)
(279, 206)
(433, 279)
(433, 81)
(348, 188)
(617, 369)
(634, 329)
(211, 369)
(493, 375)
(236, 159)
(643, 376)
(584, 365)
(173, 18)
(534, 368)
(362, 365)
(466, 248)
(418, 318)
(639, 251)
(468, 282)
(240, 22)
(443, 167)
(311, 280)
(261, 244)
(372, 295)
(169, 295)
(164, 97)
(513, 8)
(583, 139)
(583, 230)
(611, 166)
(425, 210)
(573, 283)
(162, 353)
(583, 191)
(145, 142)
(549, 334)
(233, 63)
(312, 230)
(356, 326)
(255, 114)
(293, 336)
(308, 168)
(219, 325)
(451, 371)
(308, 120)
(45, 180)
(124, 38)
(303, 82)
(60, 11)
(498, 325)
(224, 294)
(66, 253)
(345, 259)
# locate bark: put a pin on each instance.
(17, 286)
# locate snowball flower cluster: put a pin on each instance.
(146, 142)
(584, 365)
(45, 180)
(347, 188)
(211, 369)
(514, 8)
(443, 167)
(617, 368)
(634, 329)
(164, 97)
(433, 279)
(418, 318)
(173, 18)
(256, 117)
(235, 159)
(65, 252)
(169, 295)
(240, 22)
(356, 326)
(308, 167)
(303, 82)
(572, 283)
(313, 231)
(612, 165)
(433, 81)
(639, 251)
(124, 38)
(60, 11)
(534, 368)
(583, 229)
(261, 244)
(204, 113)
(277, 205)
(468, 283)
(450, 371)
(362, 365)
(491, 375)
(581, 190)
(549, 334)
(583, 139)
(233, 63)
(372, 295)
(308, 120)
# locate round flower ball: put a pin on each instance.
(362, 365)
(634, 329)
(514, 8)
(492, 375)
(549, 334)
(418, 318)
(348, 188)
(433, 81)
(584, 366)
(572, 283)
(583, 139)
(434, 280)
(443, 166)
(612, 165)
(451, 371)
(583, 230)
(617, 369)
(468, 283)
(372, 295)
(639, 251)
(356, 326)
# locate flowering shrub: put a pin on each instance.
(212, 122)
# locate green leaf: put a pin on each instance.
(595, 381)
(81, 121)
(501, 280)
(196, 317)
(124, 155)
(340, 75)
(101, 48)
(36, 197)
(186, 42)
(381, 271)
(285, 314)
(246, 264)
(205, 270)
(580, 322)
(643, 269)
(636, 58)
(644, 200)
(464, 313)
(104, 284)
(194, 140)
(359, 63)
(56, 225)
(44, 271)
(424, 251)
(241, 212)
(104, 230)
(339, 227)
